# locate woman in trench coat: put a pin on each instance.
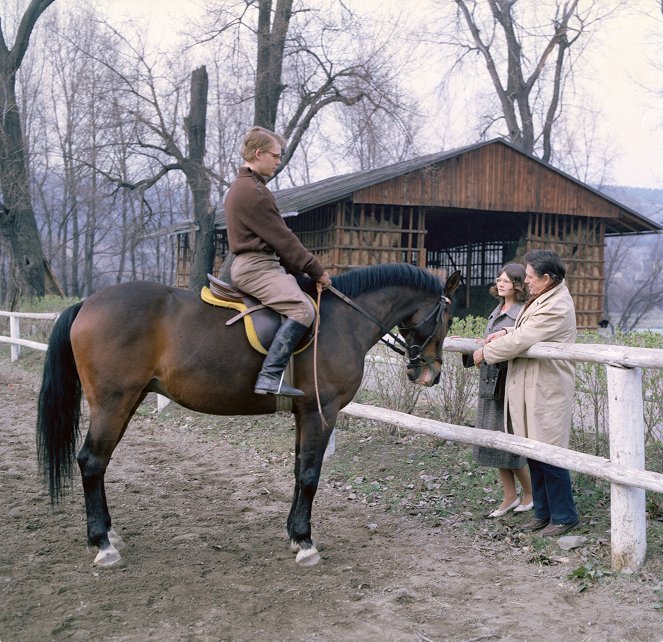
(539, 392)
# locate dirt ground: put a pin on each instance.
(207, 557)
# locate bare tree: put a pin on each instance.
(529, 60)
(158, 142)
(378, 135)
(18, 226)
(199, 180)
(305, 61)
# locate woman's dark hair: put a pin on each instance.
(516, 274)
(546, 262)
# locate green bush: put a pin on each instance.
(454, 400)
(48, 303)
(590, 427)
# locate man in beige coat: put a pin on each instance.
(539, 392)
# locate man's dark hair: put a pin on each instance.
(546, 262)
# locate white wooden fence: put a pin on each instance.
(624, 470)
(14, 337)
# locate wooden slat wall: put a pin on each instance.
(184, 255)
(367, 234)
(183, 259)
(494, 178)
(318, 233)
(580, 242)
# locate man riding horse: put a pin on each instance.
(262, 244)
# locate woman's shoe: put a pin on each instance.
(499, 513)
(524, 507)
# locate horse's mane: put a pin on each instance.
(375, 277)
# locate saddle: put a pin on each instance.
(261, 323)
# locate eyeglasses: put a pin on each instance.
(504, 281)
(276, 156)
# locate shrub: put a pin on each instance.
(590, 428)
(454, 400)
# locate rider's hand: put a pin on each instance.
(325, 280)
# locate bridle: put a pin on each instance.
(414, 352)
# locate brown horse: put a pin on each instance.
(135, 338)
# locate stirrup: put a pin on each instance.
(269, 387)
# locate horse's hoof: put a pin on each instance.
(308, 557)
(116, 540)
(295, 547)
(107, 557)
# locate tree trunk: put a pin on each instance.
(269, 66)
(17, 219)
(202, 259)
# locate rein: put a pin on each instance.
(375, 320)
(315, 358)
(437, 311)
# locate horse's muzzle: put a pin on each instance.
(427, 374)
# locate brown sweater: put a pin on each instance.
(255, 225)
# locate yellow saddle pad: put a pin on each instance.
(267, 322)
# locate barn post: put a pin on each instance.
(628, 530)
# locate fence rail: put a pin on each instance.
(625, 469)
(14, 338)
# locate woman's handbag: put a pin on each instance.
(491, 381)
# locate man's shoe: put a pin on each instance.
(535, 525)
(554, 530)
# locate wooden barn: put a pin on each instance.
(471, 209)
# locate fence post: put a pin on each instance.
(627, 448)
(15, 333)
(331, 445)
(162, 402)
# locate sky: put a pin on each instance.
(621, 79)
(624, 86)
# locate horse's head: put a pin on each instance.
(424, 334)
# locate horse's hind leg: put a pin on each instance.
(106, 430)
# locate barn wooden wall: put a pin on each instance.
(184, 254)
(580, 242)
(344, 236)
(494, 178)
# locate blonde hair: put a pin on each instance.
(259, 138)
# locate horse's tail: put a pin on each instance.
(59, 407)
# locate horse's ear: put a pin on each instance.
(452, 284)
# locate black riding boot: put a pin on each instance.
(270, 378)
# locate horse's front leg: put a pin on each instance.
(310, 446)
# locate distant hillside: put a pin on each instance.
(648, 202)
(639, 250)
